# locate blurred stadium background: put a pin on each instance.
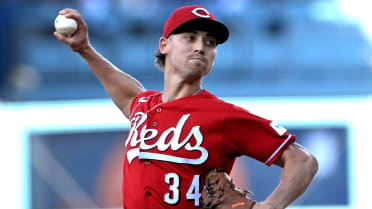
(306, 64)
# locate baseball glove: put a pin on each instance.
(220, 192)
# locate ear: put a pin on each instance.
(163, 45)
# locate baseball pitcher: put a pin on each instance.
(183, 140)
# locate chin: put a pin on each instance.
(193, 74)
(198, 70)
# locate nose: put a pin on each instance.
(199, 46)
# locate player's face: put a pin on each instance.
(190, 54)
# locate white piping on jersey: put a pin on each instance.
(144, 99)
(279, 148)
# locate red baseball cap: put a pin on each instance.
(196, 17)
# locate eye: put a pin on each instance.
(190, 37)
(211, 42)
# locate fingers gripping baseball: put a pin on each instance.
(77, 41)
(220, 192)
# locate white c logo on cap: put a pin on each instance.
(195, 12)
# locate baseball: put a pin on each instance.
(65, 26)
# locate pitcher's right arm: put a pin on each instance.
(121, 87)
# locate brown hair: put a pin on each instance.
(159, 60)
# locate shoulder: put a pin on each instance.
(144, 97)
(213, 102)
(231, 111)
(208, 101)
(147, 94)
(207, 96)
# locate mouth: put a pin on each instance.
(199, 59)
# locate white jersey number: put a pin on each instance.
(173, 180)
(193, 192)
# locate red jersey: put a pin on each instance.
(171, 146)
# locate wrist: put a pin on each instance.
(86, 51)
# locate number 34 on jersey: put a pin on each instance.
(173, 196)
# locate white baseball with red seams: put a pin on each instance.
(65, 26)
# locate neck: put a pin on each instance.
(177, 92)
(178, 84)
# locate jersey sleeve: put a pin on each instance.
(247, 134)
(136, 100)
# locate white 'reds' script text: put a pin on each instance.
(139, 134)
